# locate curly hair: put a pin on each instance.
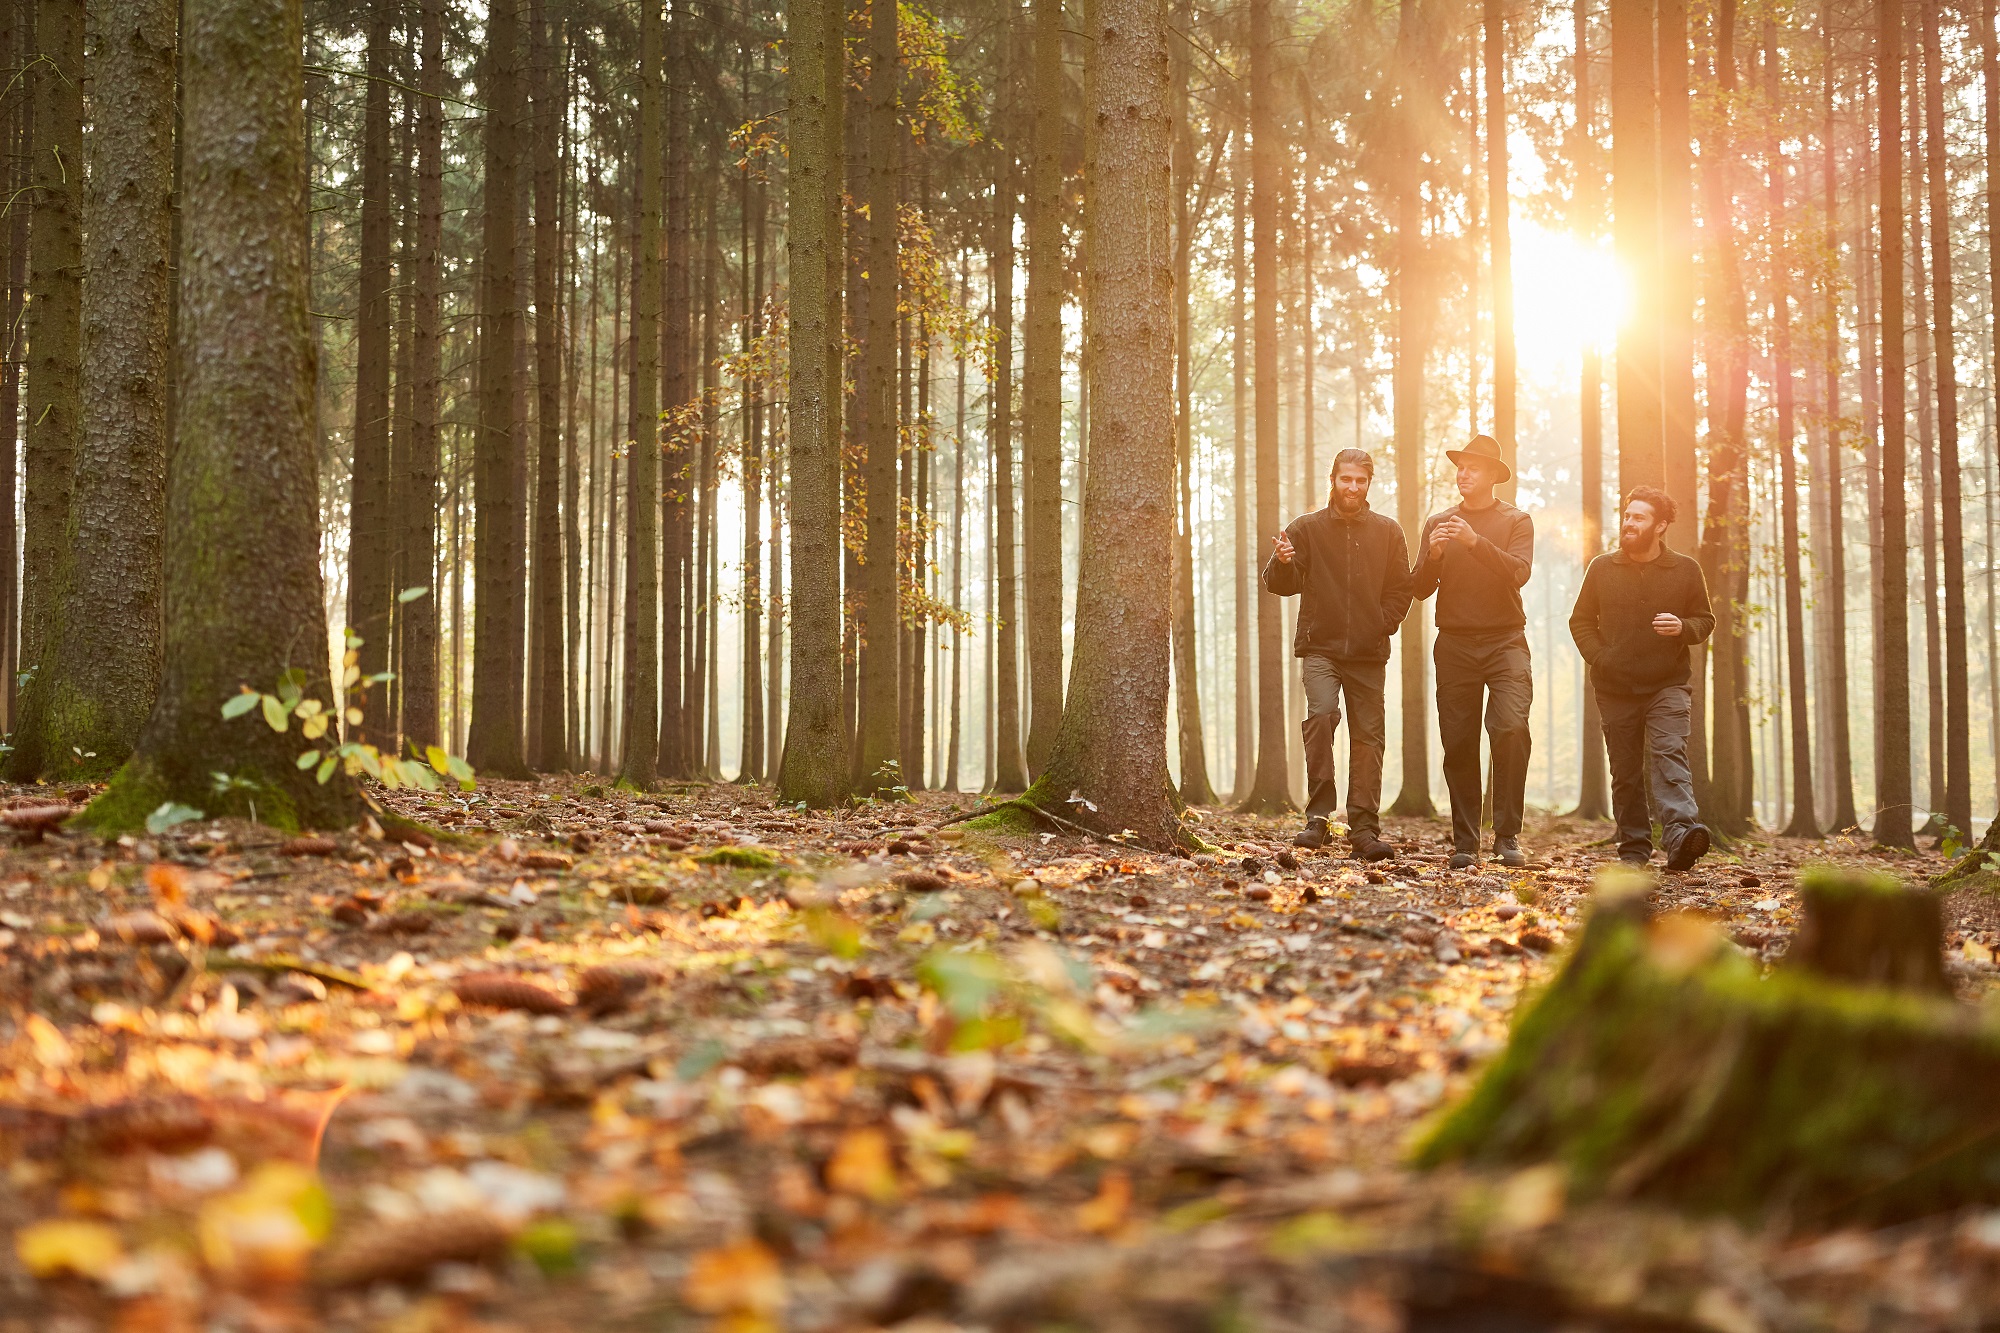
(1657, 500)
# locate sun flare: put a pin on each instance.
(1568, 294)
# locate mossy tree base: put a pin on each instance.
(1659, 1062)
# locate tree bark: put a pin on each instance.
(815, 768)
(16, 116)
(1412, 342)
(672, 354)
(1010, 769)
(244, 596)
(1111, 745)
(1830, 486)
(1500, 249)
(420, 617)
(548, 732)
(1989, 79)
(1677, 270)
(1635, 209)
(1593, 794)
(1245, 563)
(641, 758)
(84, 709)
(54, 316)
(1041, 390)
(1892, 648)
(750, 203)
(1195, 788)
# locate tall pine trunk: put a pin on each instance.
(17, 118)
(1892, 647)
(1836, 748)
(1635, 212)
(419, 491)
(641, 758)
(1010, 770)
(548, 732)
(244, 595)
(372, 534)
(1593, 795)
(1500, 250)
(671, 354)
(1041, 388)
(1412, 343)
(1195, 788)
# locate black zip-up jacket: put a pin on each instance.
(1613, 620)
(1354, 577)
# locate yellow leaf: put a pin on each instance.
(51, 1047)
(439, 760)
(269, 1228)
(66, 1245)
(315, 726)
(354, 717)
(739, 1279)
(275, 713)
(861, 1165)
(1107, 1211)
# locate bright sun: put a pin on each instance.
(1567, 294)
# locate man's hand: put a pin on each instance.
(1282, 546)
(1462, 533)
(1667, 625)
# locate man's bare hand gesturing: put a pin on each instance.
(1282, 546)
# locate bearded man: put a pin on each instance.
(1639, 611)
(1351, 569)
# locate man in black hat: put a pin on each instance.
(1639, 611)
(1351, 568)
(1475, 556)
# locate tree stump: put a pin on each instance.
(1870, 930)
(1661, 1062)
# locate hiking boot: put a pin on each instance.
(1315, 834)
(1635, 858)
(1691, 848)
(1463, 860)
(1509, 852)
(1368, 847)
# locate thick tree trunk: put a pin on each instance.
(1836, 750)
(420, 617)
(1111, 746)
(1635, 210)
(815, 767)
(17, 117)
(54, 317)
(1989, 79)
(371, 543)
(1412, 344)
(1892, 647)
(1804, 821)
(1269, 787)
(493, 741)
(877, 749)
(548, 736)
(1195, 788)
(1677, 269)
(750, 203)
(1500, 248)
(244, 596)
(1957, 803)
(1041, 391)
(641, 758)
(672, 357)
(84, 709)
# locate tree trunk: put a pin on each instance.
(750, 202)
(1635, 210)
(245, 602)
(671, 356)
(84, 710)
(493, 742)
(1195, 788)
(1269, 787)
(1111, 745)
(1804, 821)
(1593, 794)
(1989, 79)
(371, 543)
(420, 617)
(1412, 342)
(17, 117)
(1010, 770)
(1957, 804)
(1041, 391)
(1918, 352)
(54, 317)
(1830, 478)
(549, 739)
(1892, 648)
(1245, 563)
(815, 768)
(641, 757)
(1499, 241)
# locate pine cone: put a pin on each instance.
(545, 861)
(165, 1124)
(918, 881)
(33, 821)
(604, 990)
(498, 991)
(796, 1055)
(407, 1250)
(310, 845)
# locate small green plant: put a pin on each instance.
(1952, 844)
(889, 784)
(329, 753)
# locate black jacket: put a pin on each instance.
(1613, 620)
(1354, 576)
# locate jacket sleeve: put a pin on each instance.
(1583, 626)
(1287, 580)
(1425, 573)
(1396, 586)
(1517, 560)
(1698, 621)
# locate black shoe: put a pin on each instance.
(1508, 850)
(1635, 859)
(1315, 834)
(1691, 848)
(1369, 848)
(1464, 860)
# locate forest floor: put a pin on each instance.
(690, 1060)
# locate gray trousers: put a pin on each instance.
(1645, 737)
(1490, 674)
(1326, 679)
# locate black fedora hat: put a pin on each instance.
(1482, 446)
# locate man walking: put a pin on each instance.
(1639, 611)
(1475, 556)
(1351, 568)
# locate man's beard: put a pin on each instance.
(1341, 505)
(1633, 545)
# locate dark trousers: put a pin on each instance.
(1488, 673)
(1645, 736)
(1326, 679)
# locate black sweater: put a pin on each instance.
(1613, 620)
(1354, 575)
(1479, 588)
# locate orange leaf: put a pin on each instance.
(743, 1278)
(862, 1166)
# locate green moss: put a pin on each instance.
(139, 788)
(1650, 1067)
(1008, 819)
(400, 828)
(742, 858)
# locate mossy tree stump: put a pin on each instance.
(1660, 1062)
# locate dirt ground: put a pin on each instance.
(590, 1060)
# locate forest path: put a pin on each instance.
(600, 1056)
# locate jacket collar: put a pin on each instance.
(1667, 558)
